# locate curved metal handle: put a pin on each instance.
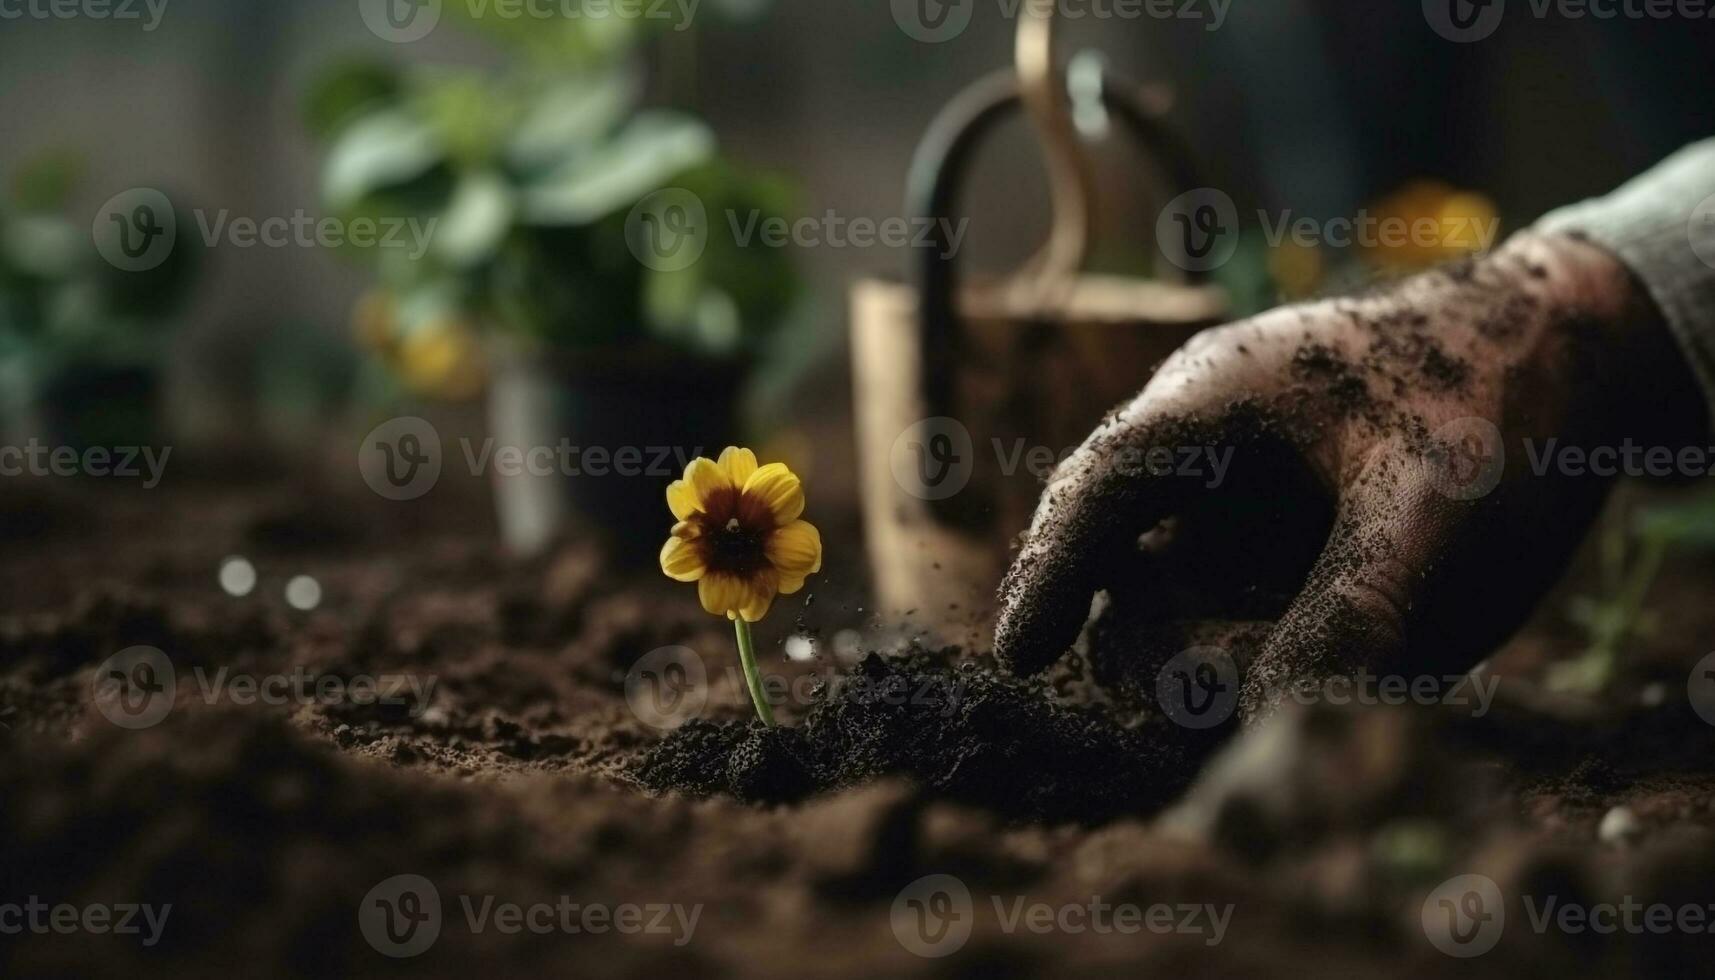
(937, 170)
(1071, 179)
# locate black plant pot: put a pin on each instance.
(616, 427)
(87, 405)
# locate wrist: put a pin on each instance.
(1584, 289)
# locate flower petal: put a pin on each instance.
(777, 488)
(738, 463)
(682, 561)
(796, 549)
(759, 595)
(682, 500)
(790, 584)
(691, 495)
(721, 593)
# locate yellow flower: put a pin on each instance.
(443, 358)
(739, 536)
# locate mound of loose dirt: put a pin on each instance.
(963, 731)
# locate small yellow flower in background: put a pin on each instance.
(444, 359)
(740, 537)
(1428, 222)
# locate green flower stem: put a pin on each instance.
(752, 677)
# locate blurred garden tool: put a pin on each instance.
(962, 391)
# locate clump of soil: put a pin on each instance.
(964, 732)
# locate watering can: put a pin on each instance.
(968, 392)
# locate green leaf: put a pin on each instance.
(570, 118)
(1689, 524)
(347, 92)
(45, 246)
(44, 182)
(476, 221)
(644, 157)
(381, 150)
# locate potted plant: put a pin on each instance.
(80, 339)
(534, 184)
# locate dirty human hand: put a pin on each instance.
(1392, 500)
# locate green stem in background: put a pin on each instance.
(752, 677)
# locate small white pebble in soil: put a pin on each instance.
(1619, 826)
(303, 592)
(800, 648)
(237, 576)
(848, 645)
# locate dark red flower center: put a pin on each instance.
(734, 532)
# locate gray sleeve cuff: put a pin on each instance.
(1661, 224)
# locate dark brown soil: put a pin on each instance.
(527, 779)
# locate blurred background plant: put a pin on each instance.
(81, 342)
(1633, 542)
(527, 174)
